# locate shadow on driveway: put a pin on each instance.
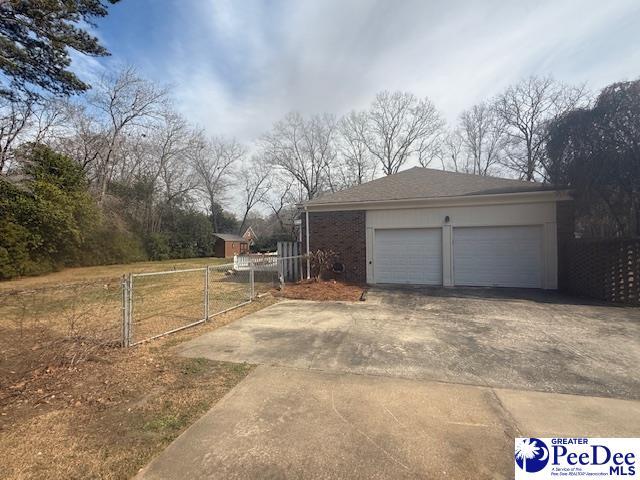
(488, 337)
(493, 293)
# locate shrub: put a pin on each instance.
(45, 217)
(321, 263)
(157, 246)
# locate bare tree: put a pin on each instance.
(168, 143)
(125, 101)
(356, 164)
(164, 151)
(484, 138)
(48, 118)
(15, 117)
(526, 108)
(303, 149)
(280, 197)
(178, 178)
(212, 161)
(400, 126)
(255, 181)
(82, 138)
(450, 152)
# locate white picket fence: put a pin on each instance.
(286, 261)
(262, 262)
(292, 262)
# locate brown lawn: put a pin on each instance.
(75, 405)
(106, 273)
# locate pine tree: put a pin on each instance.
(35, 38)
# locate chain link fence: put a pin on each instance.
(228, 288)
(158, 303)
(62, 324)
(272, 272)
(155, 304)
(58, 325)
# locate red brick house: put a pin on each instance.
(227, 245)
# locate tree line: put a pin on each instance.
(162, 186)
(115, 173)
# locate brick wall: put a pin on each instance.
(227, 249)
(604, 269)
(345, 234)
(565, 221)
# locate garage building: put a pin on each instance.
(430, 227)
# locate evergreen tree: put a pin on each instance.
(35, 38)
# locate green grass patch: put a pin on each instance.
(195, 366)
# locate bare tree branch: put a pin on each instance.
(484, 136)
(126, 101)
(304, 149)
(399, 126)
(526, 109)
(356, 164)
(212, 161)
(255, 181)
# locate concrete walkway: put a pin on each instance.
(289, 423)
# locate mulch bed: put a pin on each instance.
(323, 290)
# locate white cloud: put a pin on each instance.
(239, 66)
(88, 69)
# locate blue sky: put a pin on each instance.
(237, 66)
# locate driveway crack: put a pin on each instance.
(504, 413)
(369, 439)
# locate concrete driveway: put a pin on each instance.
(498, 338)
(283, 423)
(410, 384)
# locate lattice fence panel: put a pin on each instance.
(604, 269)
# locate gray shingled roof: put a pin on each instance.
(420, 183)
(229, 237)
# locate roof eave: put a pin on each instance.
(480, 199)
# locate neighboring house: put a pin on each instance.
(250, 236)
(431, 227)
(228, 245)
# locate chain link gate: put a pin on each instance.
(156, 304)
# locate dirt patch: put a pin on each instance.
(323, 290)
(106, 414)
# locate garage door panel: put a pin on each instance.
(498, 256)
(409, 256)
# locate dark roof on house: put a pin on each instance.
(421, 183)
(229, 237)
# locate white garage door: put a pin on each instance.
(408, 255)
(498, 256)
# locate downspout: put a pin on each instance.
(308, 249)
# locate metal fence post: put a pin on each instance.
(125, 310)
(252, 292)
(130, 310)
(280, 268)
(206, 293)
